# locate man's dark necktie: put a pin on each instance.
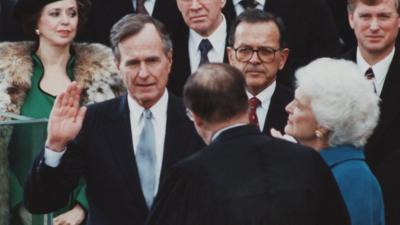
(204, 47)
(369, 74)
(140, 9)
(254, 102)
(146, 158)
(248, 4)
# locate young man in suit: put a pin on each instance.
(203, 40)
(122, 147)
(311, 30)
(376, 25)
(104, 13)
(258, 49)
(243, 177)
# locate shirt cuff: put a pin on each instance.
(52, 158)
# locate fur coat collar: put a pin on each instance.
(94, 70)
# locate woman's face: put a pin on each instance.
(58, 23)
(301, 123)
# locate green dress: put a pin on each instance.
(28, 140)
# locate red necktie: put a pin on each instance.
(254, 102)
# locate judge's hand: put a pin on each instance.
(66, 118)
(278, 134)
(73, 217)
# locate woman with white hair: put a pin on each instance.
(335, 111)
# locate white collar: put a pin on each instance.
(380, 68)
(261, 2)
(158, 110)
(216, 38)
(265, 95)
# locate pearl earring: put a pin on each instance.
(37, 31)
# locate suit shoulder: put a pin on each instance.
(105, 106)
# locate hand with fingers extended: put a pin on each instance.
(66, 118)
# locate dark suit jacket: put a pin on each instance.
(9, 29)
(311, 32)
(103, 154)
(181, 70)
(277, 115)
(383, 147)
(243, 178)
(339, 12)
(105, 13)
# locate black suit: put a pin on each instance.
(383, 147)
(243, 178)
(311, 32)
(103, 154)
(9, 29)
(105, 13)
(181, 70)
(277, 115)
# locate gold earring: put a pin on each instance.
(319, 134)
(37, 31)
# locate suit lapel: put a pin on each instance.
(390, 108)
(120, 137)
(277, 115)
(174, 135)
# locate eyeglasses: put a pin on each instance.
(265, 54)
(189, 114)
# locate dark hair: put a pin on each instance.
(351, 4)
(258, 16)
(216, 92)
(28, 12)
(131, 25)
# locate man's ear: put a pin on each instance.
(231, 53)
(284, 53)
(197, 120)
(117, 62)
(350, 18)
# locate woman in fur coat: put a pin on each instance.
(31, 75)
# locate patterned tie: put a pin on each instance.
(369, 74)
(248, 4)
(140, 9)
(254, 102)
(146, 158)
(204, 47)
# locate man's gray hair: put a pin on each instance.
(131, 25)
(342, 99)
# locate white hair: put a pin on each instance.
(342, 99)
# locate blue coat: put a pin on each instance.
(359, 187)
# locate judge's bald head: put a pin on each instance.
(216, 93)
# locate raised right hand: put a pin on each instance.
(66, 118)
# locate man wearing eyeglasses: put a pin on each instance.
(258, 49)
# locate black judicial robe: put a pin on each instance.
(246, 178)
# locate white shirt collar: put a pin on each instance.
(265, 95)
(260, 2)
(380, 68)
(148, 4)
(158, 110)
